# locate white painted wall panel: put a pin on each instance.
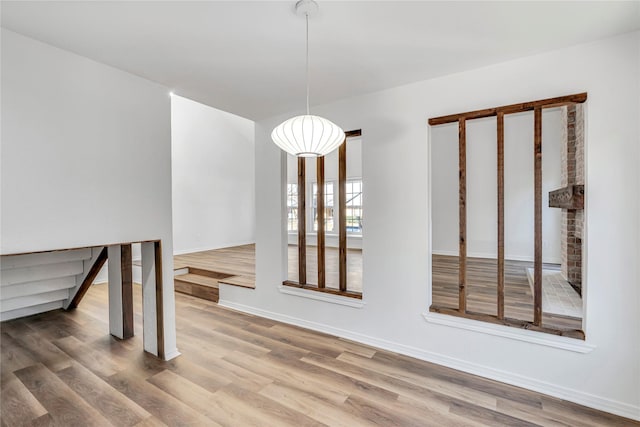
(213, 177)
(396, 247)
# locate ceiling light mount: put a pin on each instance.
(307, 8)
(307, 135)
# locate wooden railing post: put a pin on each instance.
(537, 266)
(302, 222)
(462, 212)
(500, 162)
(342, 215)
(321, 231)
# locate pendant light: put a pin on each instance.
(307, 135)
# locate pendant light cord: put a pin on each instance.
(307, 18)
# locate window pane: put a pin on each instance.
(292, 207)
(328, 206)
(354, 207)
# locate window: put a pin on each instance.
(324, 220)
(507, 215)
(354, 207)
(292, 207)
(328, 207)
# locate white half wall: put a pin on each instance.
(396, 266)
(86, 157)
(213, 177)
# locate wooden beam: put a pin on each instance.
(342, 215)
(500, 161)
(320, 209)
(350, 294)
(302, 221)
(522, 324)
(537, 263)
(510, 109)
(569, 197)
(126, 266)
(88, 280)
(353, 133)
(462, 215)
(157, 246)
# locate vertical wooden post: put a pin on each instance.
(500, 132)
(462, 212)
(157, 252)
(126, 266)
(302, 222)
(537, 267)
(342, 214)
(153, 332)
(320, 209)
(120, 297)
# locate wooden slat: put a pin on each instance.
(500, 131)
(126, 267)
(320, 209)
(537, 264)
(522, 324)
(91, 276)
(342, 215)
(159, 299)
(510, 109)
(302, 221)
(462, 212)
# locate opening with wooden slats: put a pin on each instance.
(324, 220)
(507, 207)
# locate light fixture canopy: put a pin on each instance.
(307, 135)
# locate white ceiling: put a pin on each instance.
(248, 57)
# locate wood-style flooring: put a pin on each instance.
(239, 262)
(482, 288)
(63, 369)
(332, 278)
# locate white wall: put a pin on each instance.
(213, 177)
(397, 284)
(86, 156)
(482, 187)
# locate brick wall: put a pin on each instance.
(572, 159)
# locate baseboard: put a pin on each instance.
(576, 396)
(210, 248)
(494, 256)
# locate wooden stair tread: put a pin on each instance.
(197, 280)
(242, 281)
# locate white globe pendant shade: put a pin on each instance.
(308, 136)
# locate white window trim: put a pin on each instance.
(322, 296)
(534, 337)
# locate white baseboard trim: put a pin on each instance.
(572, 395)
(495, 256)
(209, 248)
(172, 355)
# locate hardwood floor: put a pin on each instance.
(481, 289)
(239, 262)
(354, 267)
(63, 369)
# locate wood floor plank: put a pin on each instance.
(315, 407)
(157, 402)
(18, 406)
(114, 406)
(244, 370)
(97, 362)
(62, 403)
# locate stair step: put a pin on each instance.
(198, 280)
(198, 286)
